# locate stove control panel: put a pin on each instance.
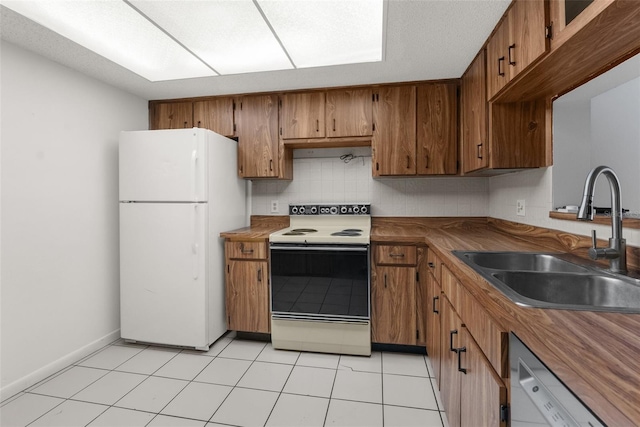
(331, 209)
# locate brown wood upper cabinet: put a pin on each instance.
(171, 115)
(415, 130)
(332, 114)
(215, 114)
(260, 154)
(475, 153)
(518, 41)
(437, 131)
(393, 146)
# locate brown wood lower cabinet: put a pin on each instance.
(247, 289)
(471, 391)
(393, 313)
(433, 315)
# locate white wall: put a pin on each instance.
(330, 180)
(59, 214)
(571, 149)
(615, 133)
(535, 187)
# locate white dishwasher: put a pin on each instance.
(538, 397)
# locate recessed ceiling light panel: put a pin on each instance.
(113, 29)
(327, 32)
(230, 36)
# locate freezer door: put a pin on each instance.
(163, 295)
(164, 165)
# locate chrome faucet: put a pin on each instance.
(616, 253)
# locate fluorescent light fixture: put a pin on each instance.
(172, 39)
(231, 36)
(327, 32)
(113, 29)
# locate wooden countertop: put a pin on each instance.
(597, 355)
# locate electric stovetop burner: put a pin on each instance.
(348, 232)
(304, 230)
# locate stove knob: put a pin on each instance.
(333, 210)
(294, 210)
(363, 209)
(343, 209)
(314, 210)
(356, 209)
(302, 210)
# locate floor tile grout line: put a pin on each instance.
(237, 382)
(335, 376)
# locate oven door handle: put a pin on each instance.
(322, 248)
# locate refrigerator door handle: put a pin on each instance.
(194, 245)
(194, 175)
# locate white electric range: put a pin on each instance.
(320, 279)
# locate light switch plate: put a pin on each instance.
(520, 205)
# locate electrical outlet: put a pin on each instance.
(275, 206)
(520, 207)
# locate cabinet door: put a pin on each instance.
(450, 377)
(171, 115)
(394, 137)
(474, 116)
(433, 313)
(393, 302)
(527, 39)
(303, 115)
(483, 392)
(421, 297)
(349, 112)
(437, 132)
(215, 114)
(247, 296)
(258, 137)
(497, 61)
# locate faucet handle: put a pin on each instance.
(594, 241)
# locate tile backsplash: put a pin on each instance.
(332, 180)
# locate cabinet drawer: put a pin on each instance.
(434, 264)
(246, 250)
(395, 255)
(491, 338)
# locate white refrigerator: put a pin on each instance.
(178, 190)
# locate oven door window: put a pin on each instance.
(320, 283)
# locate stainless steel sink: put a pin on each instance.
(546, 280)
(525, 261)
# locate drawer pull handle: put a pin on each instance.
(460, 351)
(500, 61)
(396, 255)
(408, 162)
(385, 280)
(245, 251)
(511, 48)
(479, 154)
(451, 334)
(434, 305)
(260, 275)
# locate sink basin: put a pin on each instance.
(526, 261)
(544, 280)
(576, 291)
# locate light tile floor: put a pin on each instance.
(236, 383)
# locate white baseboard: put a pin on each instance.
(35, 377)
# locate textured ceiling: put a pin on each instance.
(425, 40)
